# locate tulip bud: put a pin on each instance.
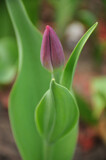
(52, 55)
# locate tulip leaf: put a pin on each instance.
(8, 59)
(69, 70)
(56, 115)
(57, 112)
(32, 82)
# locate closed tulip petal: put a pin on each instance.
(52, 55)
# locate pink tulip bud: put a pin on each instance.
(52, 55)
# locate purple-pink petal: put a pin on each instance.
(52, 55)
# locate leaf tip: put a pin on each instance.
(96, 23)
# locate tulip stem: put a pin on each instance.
(47, 150)
(53, 77)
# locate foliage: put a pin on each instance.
(56, 117)
(31, 84)
(68, 73)
(8, 48)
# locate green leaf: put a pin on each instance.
(69, 70)
(8, 59)
(56, 115)
(32, 82)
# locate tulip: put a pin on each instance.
(52, 55)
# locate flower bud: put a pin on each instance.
(52, 55)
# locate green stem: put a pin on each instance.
(47, 151)
(53, 76)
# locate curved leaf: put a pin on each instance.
(69, 70)
(57, 113)
(31, 83)
(56, 116)
(8, 59)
